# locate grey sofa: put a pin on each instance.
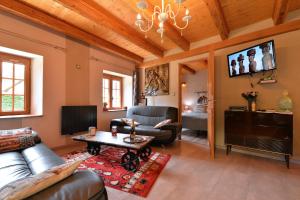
(148, 117)
(39, 158)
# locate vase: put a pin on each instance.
(285, 102)
(251, 105)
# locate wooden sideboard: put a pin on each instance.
(270, 132)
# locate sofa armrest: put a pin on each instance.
(81, 185)
(172, 126)
(117, 122)
(175, 127)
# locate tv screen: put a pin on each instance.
(255, 59)
(76, 119)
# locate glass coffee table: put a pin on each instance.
(139, 149)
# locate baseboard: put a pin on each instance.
(75, 144)
(258, 154)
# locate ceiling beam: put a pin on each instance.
(40, 17)
(99, 15)
(218, 17)
(170, 31)
(281, 9)
(249, 37)
(189, 69)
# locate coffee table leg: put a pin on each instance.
(130, 161)
(145, 153)
(93, 148)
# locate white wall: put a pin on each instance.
(194, 83)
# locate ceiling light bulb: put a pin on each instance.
(161, 25)
(187, 12)
(138, 17)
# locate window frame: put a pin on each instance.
(15, 59)
(112, 78)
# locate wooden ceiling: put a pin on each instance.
(109, 24)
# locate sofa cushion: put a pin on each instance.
(40, 158)
(149, 131)
(12, 167)
(81, 185)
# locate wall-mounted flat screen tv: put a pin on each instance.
(76, 119)
(254, 59)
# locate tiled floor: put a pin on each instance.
(191, 175)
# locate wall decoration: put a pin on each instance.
(157, 80)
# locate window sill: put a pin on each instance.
(18, 116)
(116, 110)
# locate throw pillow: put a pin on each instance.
(18, 141)
(28, 130)
(26, 187)
(128, 121)
(162, 123)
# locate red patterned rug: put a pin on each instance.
(107, 165)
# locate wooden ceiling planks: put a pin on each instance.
(124, 10)
(171, 32)
(218, 17)
(99, 15)
(240, 13)
(281, 9)
(237, 14)
(38, 16)
(58, 10)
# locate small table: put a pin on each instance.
(130, 160)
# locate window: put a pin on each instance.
(112, 92)
(15, 84)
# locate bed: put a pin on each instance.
(196, 121)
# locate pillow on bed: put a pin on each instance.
(162, 123)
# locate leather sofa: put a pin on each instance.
(148, 117)
(39, 158)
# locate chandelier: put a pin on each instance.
(162, 14)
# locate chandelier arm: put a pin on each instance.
(168, 8)
(157, 9)
(178, 9)
(183, 27)
(149, 26)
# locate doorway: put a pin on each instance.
(196, 101)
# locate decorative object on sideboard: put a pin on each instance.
(157, 80)
(251, 98)
(238, 108)
(285, 102)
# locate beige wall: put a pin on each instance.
(63, 83)
(194, 83)
(77, 73)
(228, 90)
